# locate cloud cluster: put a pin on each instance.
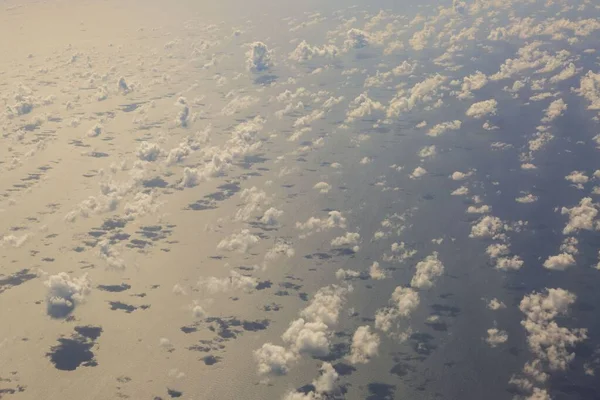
(259, 57)
(239, 242)
(482, 109)
(65, 293)
(581, 217)
(364, 346)
(427, 271)
(310, 334)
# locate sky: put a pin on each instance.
(299, 200)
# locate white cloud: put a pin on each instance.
(362, 106)
(461, 191)
(554, 110)
(258, 57)
(349, 239)
(589, 88)
(549, 342)
(280, 248)
(427, 271)
(235, 281)
(149, 151)
(559, 262)
(482, 108)
(239, 242)
(577, 177)
(444, 127)
(65, 293)
(418, 173)
(569, 245)
(496, 337)
(375, 271)
(460, 176)
(528, 198)
(496, 250)
(273, 359)
(483, 209)
(404, 301)
(581, 217)
(305, 52)
(271, 216)
(365, 345)
(325, 383)
(472, 82)
(513, 263)
(239, 103)
(356, 39)
(488, 226)
(322, 187)
(346, 274)
(495, 304)
(335, 219)
(427, 151)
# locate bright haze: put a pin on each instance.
(299, 200)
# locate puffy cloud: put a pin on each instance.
(403, 302)
(577, 177)
(110, 255)
(444, 127)
(496, 337)
(482, 108)
(513, 263)
(569, 245)
(495, 304)
(375, 271)
(472, 82)
(335, 219)
(528, 198)
(487, 227)
(235, 281)
(273, 359)
(418, 173)
(325, 383)
(280, 248)
(305, 52)
(559, 262)
(308, 334)
(461, 191)
(307, 337)
(581, 217)
(356, 39)
(65, 293)
(271, 216)
(149, 151)
(497, 250)
(349, 239)
(567, 73)
(345, 274)
(483, 209)
(362, 106)
(183, 117)
(239, 103)
(554, 110)
(258, 57)
(322, 187)
(460, 176)
(252, 201)
(239, 242)
(365, 345)
(589, 88)
(14, 241)
(423, 92)
(427, 270)
(427, 151)
(549, 342)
